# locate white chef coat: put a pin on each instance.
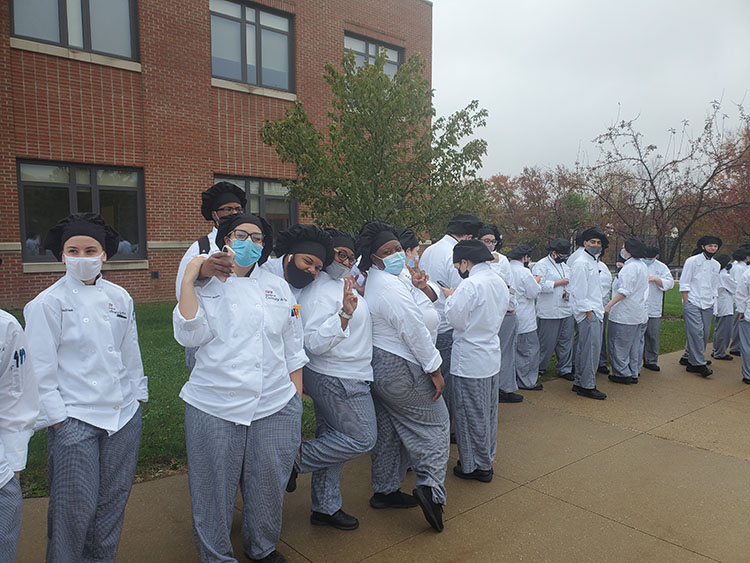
(550, 303)
(632, 282)
(429, 313)
(742, 295)
(475, 311)
(605, 280)
(84, 344)
(725, 299)
(193, 251)
(276, 267)
(575, 256)
(19, 398)
(397, 321)
(738, 270)
(526, 291)
(700, 278)
(585, 288)
(437, 262)
(502, 269)
(331, 350)
(655, 293)
(249, 342)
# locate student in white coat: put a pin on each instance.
(660, 280)
(243, 408)
(425, 292)
(699, 286)
(628, 316)
(83, 342)
(741, 260)
(475, 310)
(555, 323)
(742, 299)
(19, 407)
(724, 309)
(338, 342)
(605, 279)
(407, 387)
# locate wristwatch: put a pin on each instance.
(344, 315)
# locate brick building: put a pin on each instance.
(133, 107)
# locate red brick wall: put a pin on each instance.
(168, 119)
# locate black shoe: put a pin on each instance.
(619, 379)
(576, 388)
(396, 499)
(701, 370)
(567, 376)
(483, 475)
(433, 512)
(652, 367)
(291, 485)
(634, 381)
(708, 362)
(725, 357)
(592, 393)
(746, 381)
(339, 520)
(537, 387)
(736, 353)
(273, 557)
(603, 369)
(509, 397)
(684, 361)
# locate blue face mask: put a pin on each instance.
(246, 252)
(412, 263)
(395, 263)
(647, 262)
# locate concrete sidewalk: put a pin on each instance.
(657, 472)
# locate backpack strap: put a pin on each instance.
(204, 247)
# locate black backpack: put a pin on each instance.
(204, 247)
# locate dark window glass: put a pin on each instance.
(226, 58)
(43, 207)
(120, 210)
(37, 18)
(271, 201)
(110, 27)
(365, 50)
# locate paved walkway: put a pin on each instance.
(659, 472)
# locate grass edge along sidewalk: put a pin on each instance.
(162, 450)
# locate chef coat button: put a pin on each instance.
(231, 393)
(106, 318)
(234, 305)
(257, 334)
(98, 288)
(234, 365)
(236, 335)
(254, 280)
(85, 319)
(257, 365)
(75, 291)
(256, 395)
(110, 348)
(117, 408)
(257, 305)
(93, 383)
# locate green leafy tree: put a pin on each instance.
(382, 156)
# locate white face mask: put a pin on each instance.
(338, 271)
(83, 268)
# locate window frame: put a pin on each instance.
(71, 186)
(242, 20)
(62, 11)
(401, 51)
(261, 195)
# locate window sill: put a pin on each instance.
(169, 244)
(66, 53)
(250, 89)
(47, 267)
(10, 247)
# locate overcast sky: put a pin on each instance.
(555, 73)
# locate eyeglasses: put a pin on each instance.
(230, 209)
(345, 258)
(239, 234)
(488, 240)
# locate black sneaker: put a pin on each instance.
(576, 388)
(619, 379)
(537, 387)
(396, 499)
(433, 512)
(736, 353)
(291, 485)
(634, 381)
(339, 520)
(746, 381)
(273, 557)
(511, 397)
(567, 376)
(483, 475)
(700, 370)
(592, 393)
(652, 367)
(603, 369)
(684, 361)
(725, 357)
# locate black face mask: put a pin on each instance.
(526, 264)
(708, 254)
(464, 274)
(560, 259)
(296, 277)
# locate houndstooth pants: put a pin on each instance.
(475, 404)
(11, 504)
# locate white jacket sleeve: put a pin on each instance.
(667, 280)
(131, 357)
(406, 319)
(540, 269)
(686, 277)
(322, 324)
(579, 288)
(194, 332)
(459, 305)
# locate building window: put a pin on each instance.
(365, 50)
(251, 45)
(50, 191)
(97, 26)
(267, 198)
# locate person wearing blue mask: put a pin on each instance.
(243, 412)
(425, 292)
(338, 342)
(407, 387)
(660, 280)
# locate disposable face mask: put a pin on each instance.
(296, 277)
(594, 250)
(246, 252)
(337, 270)
(647, 262)
(560, 259)
(708, 254)
(394, 263)
(464, 274)
(83, 268)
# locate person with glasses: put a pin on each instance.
(412, 419)
(555, 323)
(243, 408)
(424, 291)
(302, 252)
(338, 342)
(220, 200)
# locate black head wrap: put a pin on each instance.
(593, 232)
(82, 224)
(408, 239)
(305, 239)
(519, 252)
(741, 253)
(708, 239)
(651, 252)
(372, 236)
(490, 229)
(229, 223)
(464, 224)
(475, 251)
(341, 238)
(559, 245)
(635, 247)
(220, 194)
(723, 259)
